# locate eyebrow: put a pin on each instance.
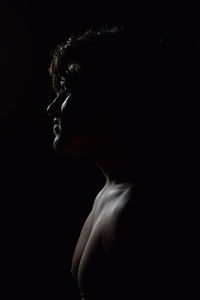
(67, 78)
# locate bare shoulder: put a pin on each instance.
(124, 243)
(120, 218)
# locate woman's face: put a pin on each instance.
(76, 120)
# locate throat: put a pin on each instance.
(119, 167)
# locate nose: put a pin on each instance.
(53, 110)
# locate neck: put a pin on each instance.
(119, 157)
(119, 167)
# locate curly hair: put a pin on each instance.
(114, 55)
(75, 41)
(141, 69)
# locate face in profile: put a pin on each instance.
(76, 120)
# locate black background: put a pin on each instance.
(45, 197)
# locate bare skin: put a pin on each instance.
(118, 104)
(97, 239)
(109, 261)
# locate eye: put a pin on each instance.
(65, 86)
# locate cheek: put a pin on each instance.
(68, 115)
(64, 105)
(75, 121)
(78, 115)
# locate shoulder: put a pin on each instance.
(126, 247)
(124, 223)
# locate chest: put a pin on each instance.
(91, 255)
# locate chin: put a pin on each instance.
(81, 146)
(69, 150)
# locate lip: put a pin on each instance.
(56, 126)
(56, 129)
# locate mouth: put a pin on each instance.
(56, 126)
